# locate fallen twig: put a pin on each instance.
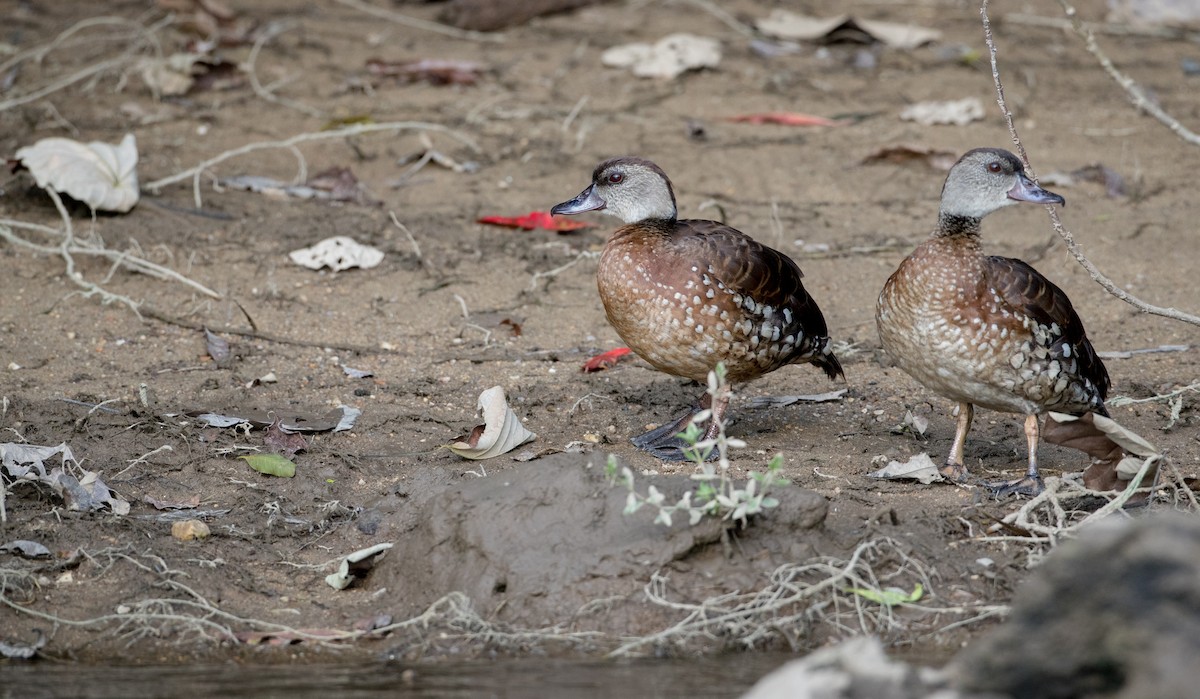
(290, 143)
(263, 92)
(1126, 354)
(151, 312)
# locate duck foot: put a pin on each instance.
(955, 473)
(1028, 486)
(664, 443)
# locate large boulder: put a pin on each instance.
(1115, 613)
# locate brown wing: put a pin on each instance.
(1025, 289)
(770, 278)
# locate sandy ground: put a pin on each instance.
(457, 307)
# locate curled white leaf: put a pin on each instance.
(355, 565)
(500, 433)
(101, 175)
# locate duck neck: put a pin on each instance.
(955, 226)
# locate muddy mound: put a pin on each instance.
(546, 536)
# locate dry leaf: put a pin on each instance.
(500, 433)
(670, 57)
(218, 347)
(784, 401)
(919, 467)
(431, 70)
(1115, 450)
(606, 360)
(782, 24)
(355, 566)
(957, 112)
(101, 175)
(282, 442)
(337, 253)
(903, 154)
(785, 119)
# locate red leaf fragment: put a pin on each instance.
(784, 118)
(606, 360)
(536, 219)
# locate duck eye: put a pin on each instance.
(994, 167)
(615, 177)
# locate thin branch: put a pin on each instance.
(354, 130)
(1072, 247)
(71, 247)
(40, 52)
(156, 314)
(264, 92)
(1136, 95)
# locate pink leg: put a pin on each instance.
(954, 469)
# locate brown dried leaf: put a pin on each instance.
(218, 347)
(1111, 446)
(905, 154)
(286, 443)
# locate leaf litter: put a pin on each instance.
(101, 175)
(85, 493)
(337, 253)
(782, 24)
(500, 433)
(668, 58)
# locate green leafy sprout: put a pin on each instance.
(717, 494)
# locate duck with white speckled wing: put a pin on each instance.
(687, 294)
(984, 330)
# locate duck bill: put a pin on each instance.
(588, 200)
(1027, 190)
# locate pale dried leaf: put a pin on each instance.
(919, 467)
(337, 253)
(781, 401)
(957, 112)
(782, 24)
(101, 175)
(26, 549)
(500, 433)
(668, 58)
(355, 565)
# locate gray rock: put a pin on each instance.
(1115, 613)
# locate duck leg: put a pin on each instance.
(664, 443)
(954, 469)
(1031, 484)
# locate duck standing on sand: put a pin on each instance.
(687, 294)
(984, 330)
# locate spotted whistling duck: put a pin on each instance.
(984, 330)
(687, 294)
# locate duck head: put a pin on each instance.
(986, 179)
(632, 189)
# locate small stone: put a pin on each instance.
(189, 530)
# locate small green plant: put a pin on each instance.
(717, 495)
